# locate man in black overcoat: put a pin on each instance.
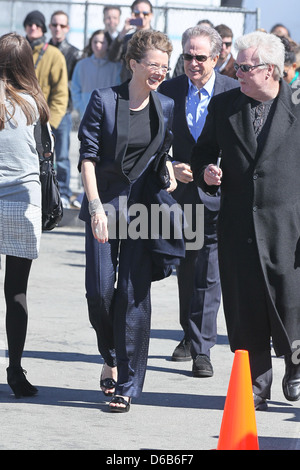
(257, 129)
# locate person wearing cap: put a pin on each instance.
(50, 67)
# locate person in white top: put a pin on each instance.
(22, 106)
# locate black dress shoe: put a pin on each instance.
(260, 404)
(291, 389)
(202, 366)
(291, 380)
(182, 352)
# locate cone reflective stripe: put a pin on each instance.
(238, 428)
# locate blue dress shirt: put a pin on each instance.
(196, 107)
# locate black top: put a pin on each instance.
(142, 128)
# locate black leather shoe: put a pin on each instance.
(291, 380)
(182, 352)
(260, 404)
(202, 366)
(291, 389)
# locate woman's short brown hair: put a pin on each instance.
(144, 40)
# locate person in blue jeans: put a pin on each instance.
(59, 27)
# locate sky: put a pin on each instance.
(285, 12)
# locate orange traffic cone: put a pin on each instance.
(238, 428)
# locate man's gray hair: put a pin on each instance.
(206, 32)
(269, 49)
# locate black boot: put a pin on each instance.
(19, 384)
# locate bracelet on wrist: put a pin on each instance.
(95, 207)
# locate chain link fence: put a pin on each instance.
(86, 17)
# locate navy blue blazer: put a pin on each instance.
(103, 134)
(183, 143)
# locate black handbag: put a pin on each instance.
(52, 209)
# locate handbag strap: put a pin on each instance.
(42, 52)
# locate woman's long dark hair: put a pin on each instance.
(17, 75)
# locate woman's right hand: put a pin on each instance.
(99, 227)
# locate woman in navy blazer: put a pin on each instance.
(124, 131)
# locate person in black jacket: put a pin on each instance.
(198, 273)
(142, 12)
(59, 27)
(257, 128)
(124, 134)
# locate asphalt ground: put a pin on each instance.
(176, 413)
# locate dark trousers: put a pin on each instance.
(261, 372)
(200, 290)
(118, 282)
(120, 310)
(62, 160)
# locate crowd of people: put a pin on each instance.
(220, 131)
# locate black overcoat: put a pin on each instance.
(259, 219)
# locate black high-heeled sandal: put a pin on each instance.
(107, 384)
(120, 401)
(19, 384)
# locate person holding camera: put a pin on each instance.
(140, 19)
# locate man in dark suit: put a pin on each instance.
(258, 128)
(198, 274)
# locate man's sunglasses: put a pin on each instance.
(246, 67)
(199, 58)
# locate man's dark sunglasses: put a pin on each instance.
(246, 67)
(199, 58)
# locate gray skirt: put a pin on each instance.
(20, 229)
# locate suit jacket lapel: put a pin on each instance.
(182, 106)
(282, 122)
(122, 122)
(242, 125)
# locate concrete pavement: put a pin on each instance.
(175, 412)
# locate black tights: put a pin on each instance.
(15, 289)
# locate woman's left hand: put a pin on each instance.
(173, 181)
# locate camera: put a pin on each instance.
(136, 22)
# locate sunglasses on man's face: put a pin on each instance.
(199, 58)
(246, 67)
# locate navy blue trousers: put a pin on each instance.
(118, 282)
